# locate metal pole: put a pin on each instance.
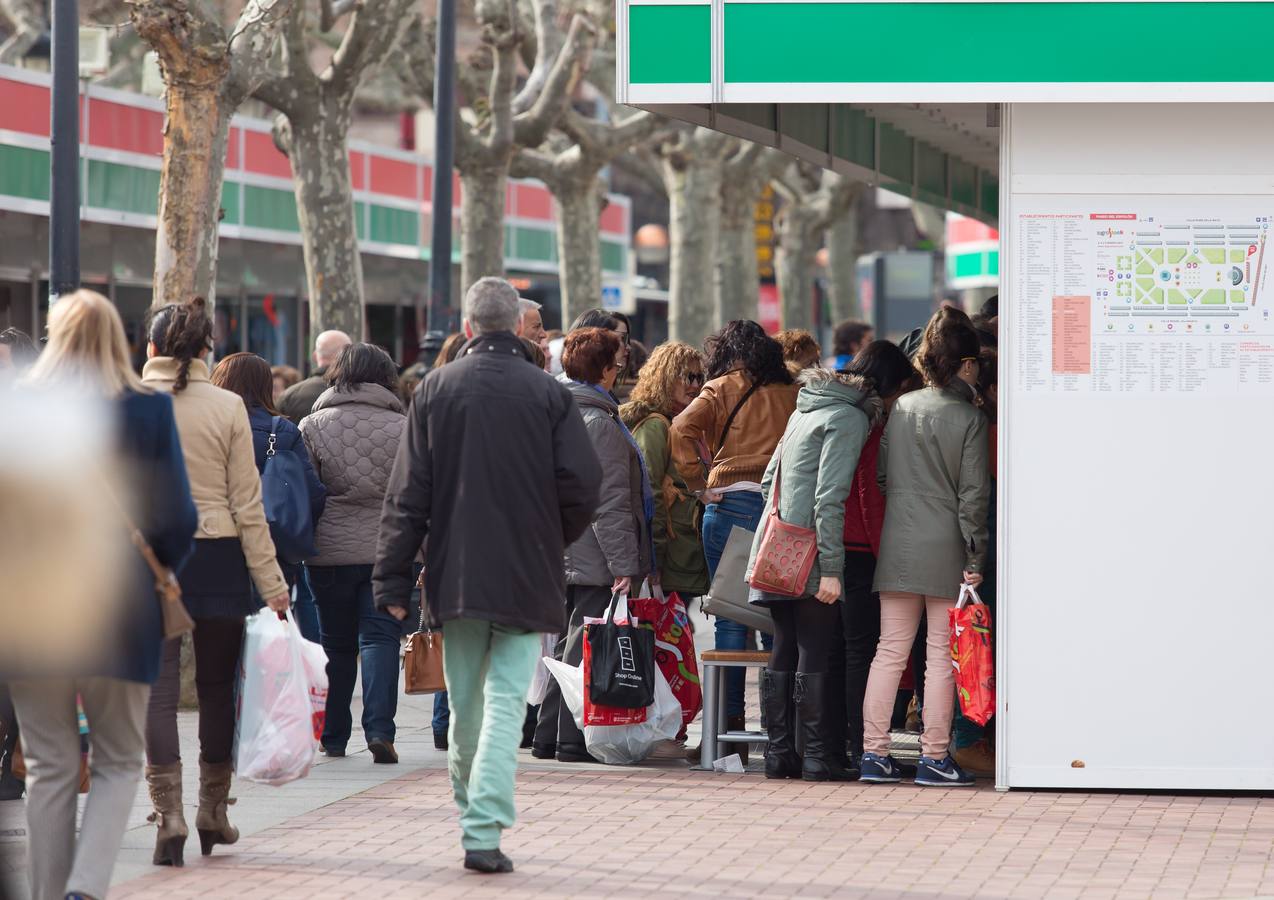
(64, 160)
(444, 162)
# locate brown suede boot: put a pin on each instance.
(211, 820)
(164, 784)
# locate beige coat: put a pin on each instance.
(216, 441)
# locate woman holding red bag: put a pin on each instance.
(933, 467)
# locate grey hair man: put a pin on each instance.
(531, 324)
(454, 470)
(297, 401)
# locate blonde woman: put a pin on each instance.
(669, 380)
(88, 350)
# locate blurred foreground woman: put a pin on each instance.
(88, 355)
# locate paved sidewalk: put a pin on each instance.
(590, 831)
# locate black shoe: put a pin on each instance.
(544, 751)
(440, 740)
(573, 753)
(818, 764)
(333, 752)
(382, 751)
(781, 758)
(489, 862)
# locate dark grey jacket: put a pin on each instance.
(497, 470)
(298, 401)
(619, 542)
(934, 470)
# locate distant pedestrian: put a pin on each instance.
(282, 377)
(617, 552)
(848, 338)
(249, 376)
(813, 470)
(618, 323)
(933, 467)
(88, 350)
(352, 436)
(233, 553)
(497, 471)
(721, 445)
(800, 350)
(450, 349)
(298, 401)
(531, 325)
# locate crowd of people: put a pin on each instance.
(531, 476)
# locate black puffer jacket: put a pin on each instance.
(495, 467)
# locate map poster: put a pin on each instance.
(1138, 296)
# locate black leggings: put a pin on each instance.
(217, 644)
(803, 630)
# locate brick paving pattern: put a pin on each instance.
(590, 831)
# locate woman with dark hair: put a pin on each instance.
(233, 554)
(889, 373)
(251, 377)
(936, 478)
(721, 445)
(623, 328)
(352, 436)
(616, 552)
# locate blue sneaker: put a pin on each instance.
(941, 773)
(879, 769)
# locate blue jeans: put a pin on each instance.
(742, 509)
(442, 713)
(351, 627)
(303, 608)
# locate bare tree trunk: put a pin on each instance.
(737, 289)
(482, 221)
(325, 209)
(196, 129)
(799, 235)
(842, 261)
(579, 246)
(694, 234)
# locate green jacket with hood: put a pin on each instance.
(820, 448)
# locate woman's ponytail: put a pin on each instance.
(181, 331)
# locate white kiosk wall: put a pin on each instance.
(1137, 429)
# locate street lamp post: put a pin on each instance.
(64, 139)
(444, 156)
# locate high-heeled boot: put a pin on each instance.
(211, 821)
(781, 758)
(164, 785)
(818, 764)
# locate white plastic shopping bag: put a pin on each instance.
(540, 680)
(282, 692)
(619, 744)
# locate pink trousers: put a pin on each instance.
(899, 618)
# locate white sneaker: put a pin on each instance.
(669, 750)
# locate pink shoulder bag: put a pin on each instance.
(787, 552)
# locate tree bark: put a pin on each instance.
(737, 289)
(481, 221)
(28, 20)
(694, 213)
(799, 234)
(325, 210)
(579, 245)
(196, 130)
(843, 251)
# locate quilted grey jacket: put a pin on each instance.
(618, 543)
(352, 438)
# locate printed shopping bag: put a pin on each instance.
(619, 667)
(618, 745)
(674, 648)
(971, 656)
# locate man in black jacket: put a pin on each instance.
(497, 470)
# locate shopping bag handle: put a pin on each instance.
(968, 592)
(618, 603)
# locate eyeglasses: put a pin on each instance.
(624, 336)
(694, 378)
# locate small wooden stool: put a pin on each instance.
(715, 734)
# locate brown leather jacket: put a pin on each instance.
(746, 450)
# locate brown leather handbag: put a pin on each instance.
(177, 620)
(422, 660)
(787, 552)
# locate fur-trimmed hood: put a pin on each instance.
(821, 387)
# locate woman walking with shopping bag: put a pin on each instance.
(933, 467)
(805, 487)
(616, 551)
(233, 553)
(88, 353)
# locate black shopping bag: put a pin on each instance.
(619, 659)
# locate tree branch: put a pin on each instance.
(534, 164)
(532, 126)
(371, 34)
(250, 44)
(545, 43)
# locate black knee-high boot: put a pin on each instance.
(781, 758)
(811, 705)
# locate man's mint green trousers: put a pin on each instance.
(488, 668)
